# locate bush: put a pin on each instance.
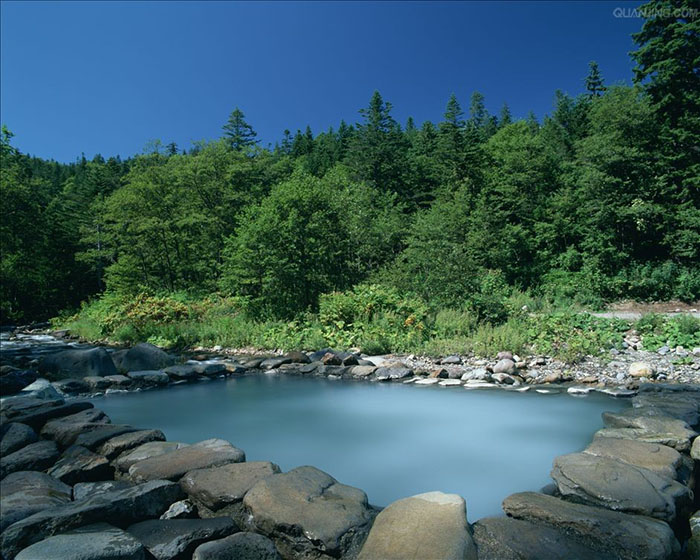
(659, 330)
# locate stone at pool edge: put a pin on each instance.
(653, 429)
(78, 363)
(34, 457)
(64, 431)
(115, 446)
(25, 493)
(79, 464)
(430, 525)
(16, 436)
(142, 357)
(628, 537)
(145, 451)
(241, 546)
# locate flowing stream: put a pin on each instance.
(391, 440)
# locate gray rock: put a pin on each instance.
(121, 507)
(143, 357)
(451, 360)
(168, 539)
(25, 493)
(505, 538)
(664, 350)
(505, 365)
(695, 449)
(641, 369)
(16, 380)
(182, 509)
(114, 446)
(612, 484)
(309, 368)
(218, 487)
(100, 541)
(298, 358)
(16, 437)
(84, 490)
(309, 512)
(653, 429)
(274, 363)
(241, 546)
(683, 407)
(331, 359)
(71, 386)
(96, 437)
(146, 451)
(119, 381)
(183, 372)
(628, 537)
(693, 549)
(150, 378)
(64, 431)
(36, 417)
(211, 369)
(34, 457)
(503, 378)
(392, 373)
(362, 371)
(79, 464)
(316, 356)
(96, 383)
(431, 525)
(172, 466)
(78, 363)
(505, 355)
(661, 459)
(41, 389)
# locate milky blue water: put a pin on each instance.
(391, 440)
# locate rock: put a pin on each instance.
(693, 549)
(350, 360)
(664, 350)
(114, 446)
(16, 437)
(439, 373)
(274, 363)
(168, 539)
(241, 546)
(450, 383)
(121, 507)
(38, 416)
(362, 371)
(503, 378)
(505, 365)
(79, 464)
(119, 381)
(71, 386)
(331, 359)
(15, 381)
(309, 512)
(207, 453)
(478, 374)
(100, 541)
(297, 358)
(695, 449)
(683, 407)
(183, 372)
(661, 459)
(144, 357)
(219, 487)
(211, 369)
(34, 457)
(252, 363)
(653, 429)
(41, 389)
(431, 525)
(146, 451)
(65, 430)
(84, 490)
(150, 377)
(612, 484)
(78, 363)
(95, 438)
(554, 377)
(628, 537)
(451, 360)
(96, 383)
(392, 373)
(505, 538)
(427, 381)
(183, 509)
(641, 369)
(24, 493)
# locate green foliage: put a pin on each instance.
(657, 331)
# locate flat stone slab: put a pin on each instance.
(308, 511)
(683, 406)
(117, 445)
(84, 490)
(168, 539)
(100, 541)
(15, 437)
(663, 460)
(65, 430)
(431, 525)
(612, 484)
(96, 437)
(146, 451)
(182, 372)
(172, 466)
(25, 493)
(36, 417)
(149, 377)
(505, 538)
(34, 457)
(241, 546)
(392, 373)
(653, 429)
(121, 507)
(628, 537)
(79, 464)
(218, 487)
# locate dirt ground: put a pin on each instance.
(655, 307)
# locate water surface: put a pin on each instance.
(391, 440)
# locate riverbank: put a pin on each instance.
(65, 466)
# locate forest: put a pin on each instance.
(479, 213)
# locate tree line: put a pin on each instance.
(598, 201)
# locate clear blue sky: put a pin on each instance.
(107, 77)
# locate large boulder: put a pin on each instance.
(628, 537)
(16, 380)
(143, 357)
(681, 406)
(79, 464)
(392, 373)
(612, 484)
(170, 539)
(183, 372)
(220, 490)
(505, 538)
(241, 546)
(84, 490)
(653, 429)
(121, 507)
(71, 386)
(78, 363)
(64, 431)
(308, 512)
(663, 460)
(117, 445)
(37, 416)
(149, 378)
(431, 525)
(24, 493)
(146, 451)
(34, 457)
(100, 541)
(94, 438)
(16, 436)
(172, 466)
